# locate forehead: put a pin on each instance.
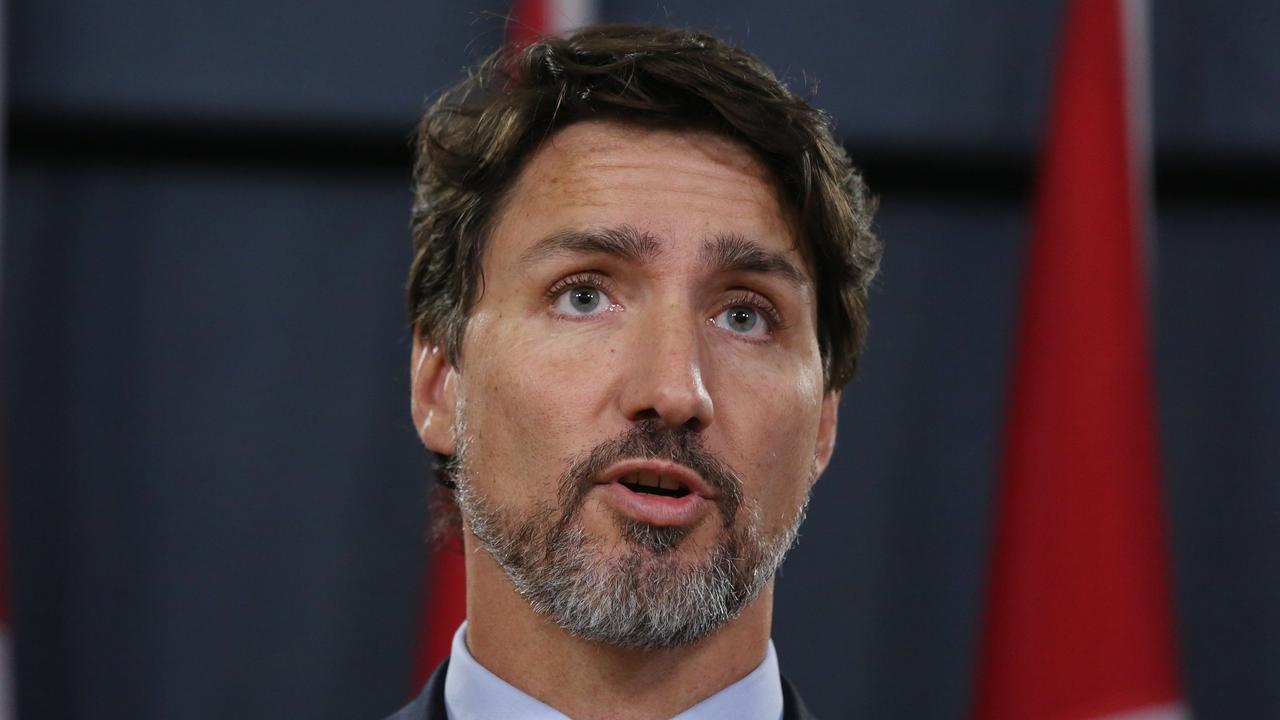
(680, 186)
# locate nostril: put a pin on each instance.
(648, 414)
(693, 424)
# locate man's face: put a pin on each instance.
(646, 317)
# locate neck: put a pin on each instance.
(585, 679)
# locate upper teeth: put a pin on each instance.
(653, 480)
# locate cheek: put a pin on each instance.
(528, 403)
(777, 433)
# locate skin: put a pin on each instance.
(542, 386)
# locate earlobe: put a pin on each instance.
(826, 432)
(432, 395)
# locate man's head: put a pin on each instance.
(639, 282)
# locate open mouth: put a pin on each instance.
(647, 483)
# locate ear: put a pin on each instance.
(432, 395)
(826, 432)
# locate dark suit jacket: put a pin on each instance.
(429, 705)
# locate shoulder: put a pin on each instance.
(429, 705)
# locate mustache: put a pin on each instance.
(649, 439)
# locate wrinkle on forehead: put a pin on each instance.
(681, 185)
(594, 164)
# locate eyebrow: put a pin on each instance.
(724, 252)
(623, 241)
(729, 252)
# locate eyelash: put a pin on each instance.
(584, 279)
(759, 303)
(601, 282)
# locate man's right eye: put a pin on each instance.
(582, 300)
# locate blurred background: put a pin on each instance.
(215, 495)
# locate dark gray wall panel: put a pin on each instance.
(245, 60)
(1217, 76)
(1219, 339)
(206, 372)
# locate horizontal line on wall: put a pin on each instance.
(974, 175)
(219, 142)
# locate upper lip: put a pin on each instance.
(657, 466)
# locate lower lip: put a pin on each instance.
(657, 509)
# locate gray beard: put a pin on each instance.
(642, 595)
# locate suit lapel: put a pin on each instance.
(429, 705)
(792, 706)
(433, 693)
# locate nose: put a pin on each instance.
(664, 379)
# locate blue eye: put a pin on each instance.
(742, 319)
(582, 300)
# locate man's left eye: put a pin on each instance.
(743, 320)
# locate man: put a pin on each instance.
(639, 284)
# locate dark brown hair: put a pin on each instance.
(474, 140)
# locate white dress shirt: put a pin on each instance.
(471, 692)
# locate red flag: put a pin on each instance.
(1079, 622)
(444, 607)
(532, 19)
(443, 610)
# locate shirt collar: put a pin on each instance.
(472, 692)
